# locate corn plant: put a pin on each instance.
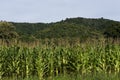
(49, 61)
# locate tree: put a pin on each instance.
(113, 30)
(7, 30)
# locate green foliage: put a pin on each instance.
(49, 62)
(82, 28)
(28, 29)
(7, 31)
(113, 30)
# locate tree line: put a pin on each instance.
(82, 28)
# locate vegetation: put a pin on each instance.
(82, 28)
(7, 31)
(72, 49)
(50, 61)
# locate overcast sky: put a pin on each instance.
(56, 10)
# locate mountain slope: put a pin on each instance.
(71, 27)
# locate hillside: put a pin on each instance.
(71, 27)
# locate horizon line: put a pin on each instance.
(59, 20)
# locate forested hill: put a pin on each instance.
(71, 27)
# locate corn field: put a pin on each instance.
(50, 61)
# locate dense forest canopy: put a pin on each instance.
(71, 27)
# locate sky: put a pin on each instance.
(55, 10)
